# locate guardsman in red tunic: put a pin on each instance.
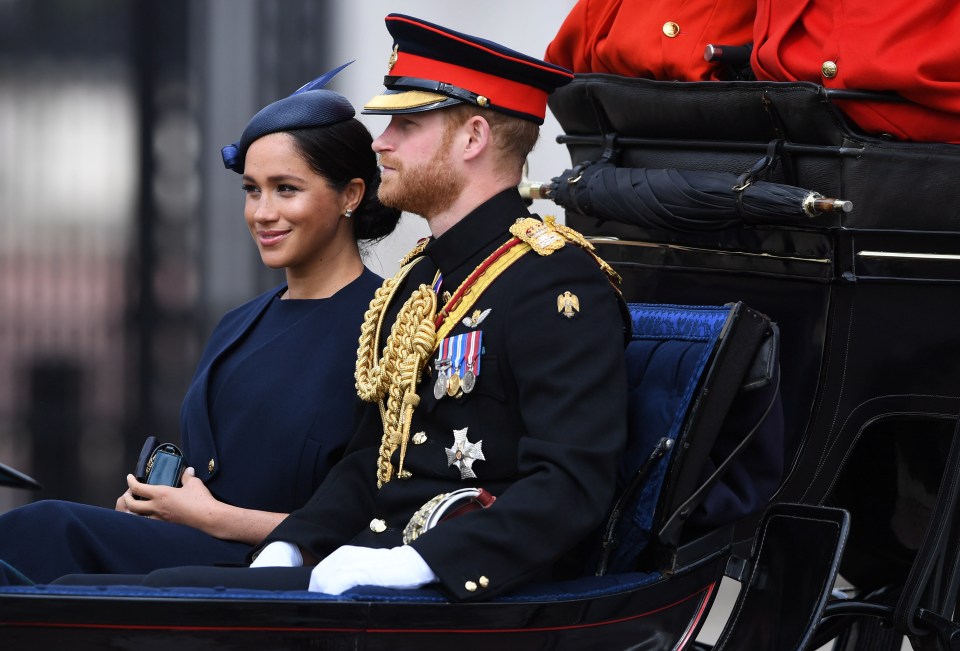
(909, 47)
(656, 39)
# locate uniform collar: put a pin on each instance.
(482, 228)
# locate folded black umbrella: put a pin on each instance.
(684, 200)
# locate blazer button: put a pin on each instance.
(378, 526)
(671, 29)
(829, 69)
(210, 465)
(470, 586)
(484, 582)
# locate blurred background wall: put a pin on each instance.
(122, 239)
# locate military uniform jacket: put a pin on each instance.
(548, 409)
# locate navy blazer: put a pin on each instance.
(288, 409)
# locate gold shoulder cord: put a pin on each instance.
(396, 375)
(576, 238)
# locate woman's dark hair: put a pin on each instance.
(340, 153)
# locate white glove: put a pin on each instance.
(278, 554)
(349, 566)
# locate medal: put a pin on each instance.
(472, 361)
(469, 379)
(440, 386)
(463, 453)
(453, 384)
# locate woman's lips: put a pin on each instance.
(269, 238)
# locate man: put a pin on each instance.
(494, 359)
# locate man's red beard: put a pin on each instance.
(427, 189)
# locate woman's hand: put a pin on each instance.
(194, 506)
(122, 503)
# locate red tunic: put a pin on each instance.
(911, 47)
(658, 39)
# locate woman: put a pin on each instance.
(272, 404)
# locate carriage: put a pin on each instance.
(793, 409)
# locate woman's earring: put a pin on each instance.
(348, 213)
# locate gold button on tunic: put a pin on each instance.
(671, 29)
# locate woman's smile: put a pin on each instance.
(269, 238)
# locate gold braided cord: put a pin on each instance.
(408, 348)
(369, 376)
(396, 373)
(575, 237)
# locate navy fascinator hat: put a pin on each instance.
(308, 106)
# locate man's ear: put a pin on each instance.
(477, 131)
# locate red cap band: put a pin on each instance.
(502, 92)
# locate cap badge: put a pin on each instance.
(393, 58)
(568, 304)
(464, 453)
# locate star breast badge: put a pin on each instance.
(464, 453)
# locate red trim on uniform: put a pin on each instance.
(501, 92)
(467, 284)
(480, 47)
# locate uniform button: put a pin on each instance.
(829, 69)
(671, 29)
(470, 586)
(419, 438)
(211, 465)
(483, 581)
(378, 526)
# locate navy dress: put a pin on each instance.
(270, 409)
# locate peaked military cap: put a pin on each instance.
(309, 106)
(433, 67)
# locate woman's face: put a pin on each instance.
(295, 217)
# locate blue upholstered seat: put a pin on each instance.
(673, 371)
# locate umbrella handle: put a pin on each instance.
(530, 190)
(815, 204)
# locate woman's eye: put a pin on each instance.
(286, 189)
(249, 189)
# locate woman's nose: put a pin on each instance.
(264, 210)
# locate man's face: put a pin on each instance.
(421, 172)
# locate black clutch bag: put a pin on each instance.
(160, 464)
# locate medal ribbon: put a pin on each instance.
(473, 352)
